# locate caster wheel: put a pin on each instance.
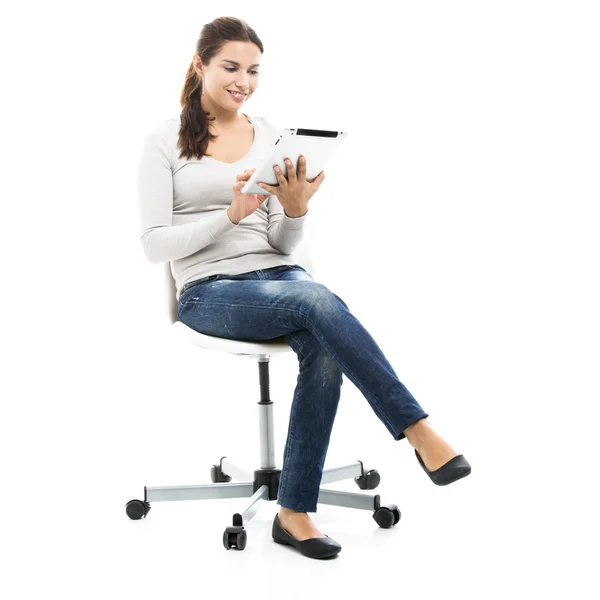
(136, 509)
(218, 476)
(235, 537)
(368, 481)
(386, 516)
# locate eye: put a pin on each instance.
(232, 69)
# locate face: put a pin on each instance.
(222, 75)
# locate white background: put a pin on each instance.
(458, 221)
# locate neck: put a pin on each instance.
(224, 119)
(231, 123)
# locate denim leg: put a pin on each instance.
(312, 415)
(328, 340)
(240, 307)
(328, 318)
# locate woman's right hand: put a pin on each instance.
(243, 205)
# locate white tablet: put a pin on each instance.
(316, 145)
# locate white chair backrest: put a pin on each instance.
(299, 256)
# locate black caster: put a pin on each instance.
(136, 509)
(369, 480)
(387, 515)
(235, 537)
(217, 475)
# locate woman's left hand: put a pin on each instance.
(295, 191)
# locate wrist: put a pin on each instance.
(295, 215)
(231, 218)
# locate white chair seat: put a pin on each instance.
(266, 348)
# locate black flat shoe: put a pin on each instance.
(456, 468)
(313, 547)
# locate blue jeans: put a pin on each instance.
(286, 302)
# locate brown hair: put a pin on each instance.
(193, 133)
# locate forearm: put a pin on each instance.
(167, 243)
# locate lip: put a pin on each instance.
(236, 92)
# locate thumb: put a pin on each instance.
(318, 180)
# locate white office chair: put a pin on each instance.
(262, 483)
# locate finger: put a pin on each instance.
(279, 174)
(265, 186)
(291, 172)
(240, 185)
(301, 168)
(318, 180)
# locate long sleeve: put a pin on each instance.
(161, 241)
(284, 233)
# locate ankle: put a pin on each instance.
(288, 512)
(418, 433)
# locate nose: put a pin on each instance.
(243, 84)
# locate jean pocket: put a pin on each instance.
(294, 268)
(194, 284)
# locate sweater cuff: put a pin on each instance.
(222, 225)
(293, 222)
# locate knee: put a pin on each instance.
(320, 298)
(320, 359)
(332, 374)
(340, 300)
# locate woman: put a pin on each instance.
(229, 255)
